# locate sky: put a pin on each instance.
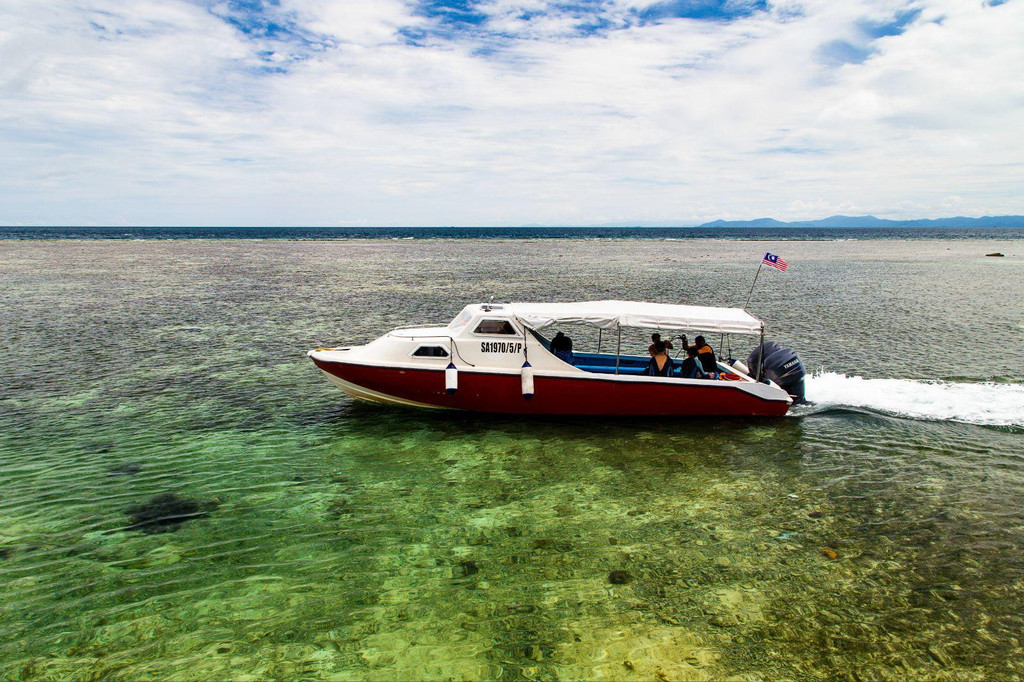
(507, 112)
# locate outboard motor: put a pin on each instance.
(781, 365)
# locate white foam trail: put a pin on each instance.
(991, 404)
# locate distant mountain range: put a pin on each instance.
(872, 221)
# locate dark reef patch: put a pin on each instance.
(466, 569)
(166, 513)
(619, 577)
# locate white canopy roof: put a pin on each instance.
(613, 314)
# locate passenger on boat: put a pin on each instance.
(705, 353)
(561, 346)
(660, 364)
(655, 338)
(691, 367)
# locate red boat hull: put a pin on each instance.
(553, 395)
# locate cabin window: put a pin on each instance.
(495, 327)
(430, 352)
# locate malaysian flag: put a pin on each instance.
(771, 260)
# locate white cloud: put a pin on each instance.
(163, 113)
(366, 24)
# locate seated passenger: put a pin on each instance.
(561, 346)
(660, 364)
(691, 367)
(705, 353)
(655, 338)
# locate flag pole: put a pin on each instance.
(753, 283)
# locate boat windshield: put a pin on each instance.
(462, 320)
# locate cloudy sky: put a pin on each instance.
(507, 112)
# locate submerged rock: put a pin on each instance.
(619, 577)
(125, 469)
(166, 513)
(466, 569)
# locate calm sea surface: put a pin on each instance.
(586, 233)
(875, 534)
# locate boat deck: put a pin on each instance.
(634, 365)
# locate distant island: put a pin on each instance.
(872, 221)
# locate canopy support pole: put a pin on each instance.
(599, 340)
(618, 348)
(760, 357)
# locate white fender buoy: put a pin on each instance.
(740, 366)
(451, 378)
(527, 380)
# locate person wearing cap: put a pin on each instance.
(655, 339)
(705, 353)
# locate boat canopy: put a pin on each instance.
(617, 314)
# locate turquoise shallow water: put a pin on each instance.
(876, 533)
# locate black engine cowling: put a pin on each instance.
(781, 365)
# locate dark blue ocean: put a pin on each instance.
(748, 233)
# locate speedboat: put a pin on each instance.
(493, 357)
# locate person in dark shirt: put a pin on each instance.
(705, 353)
(561, 346)
(660, 364)
(691, 367)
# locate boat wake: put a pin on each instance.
(987, 404)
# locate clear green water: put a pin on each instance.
(345, 541)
